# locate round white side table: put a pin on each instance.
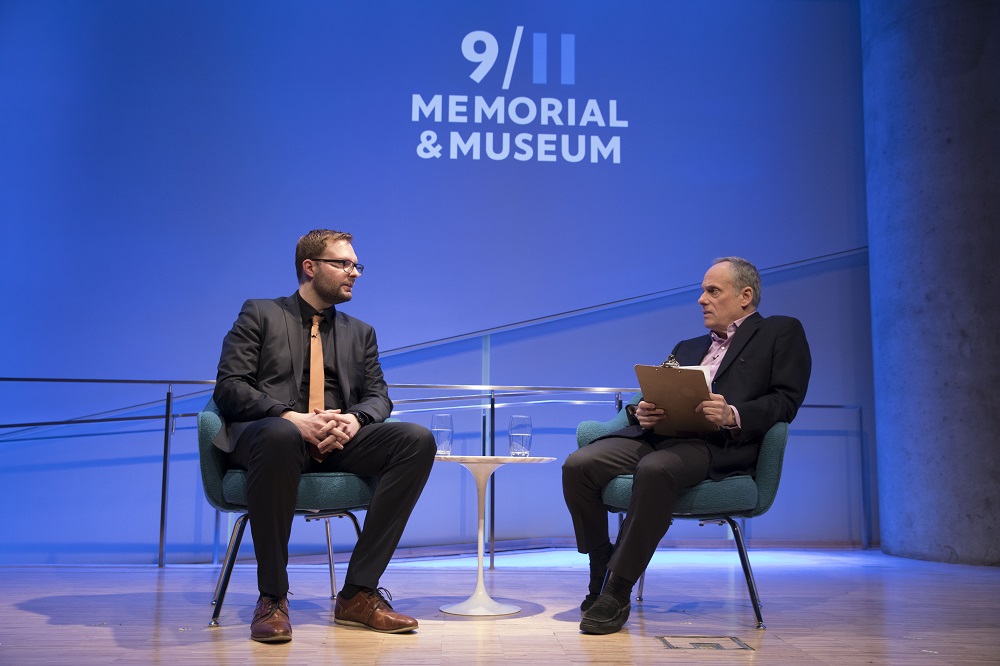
(482, 467)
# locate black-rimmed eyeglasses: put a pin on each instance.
(345, 264)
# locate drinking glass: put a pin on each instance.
(442, 428)
(520, 436)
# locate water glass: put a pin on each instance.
(520, 436)
(442, 429)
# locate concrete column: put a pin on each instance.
(931, 73)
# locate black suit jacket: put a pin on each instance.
(260, 369)
(764, 374)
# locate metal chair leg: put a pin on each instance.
(357, 535)
(354, 520)
(329, 554)
(747, 571)
(229, 552)
(227, 568)
(329, 542)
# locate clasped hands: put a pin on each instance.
(325, 430)
(716, 410)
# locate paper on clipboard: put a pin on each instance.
(677, 391)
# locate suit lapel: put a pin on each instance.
(694, 351)
(293, 332)
(740, 340)
(341, 345)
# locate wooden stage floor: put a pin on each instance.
(820, 606)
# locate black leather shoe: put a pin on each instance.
(606, 616)
(588, 601)
(270, 621)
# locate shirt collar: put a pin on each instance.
(309, 311)
(729, 331)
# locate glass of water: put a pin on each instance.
(442, 429)
(520, 436)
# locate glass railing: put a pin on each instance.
(166, 406)
(179, 402)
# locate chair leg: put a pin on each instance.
(747, 571)
(227, 567)
(354, 520)
(357, 535)
(329, 554)
(233, 543)
(329, 542)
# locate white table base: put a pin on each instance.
(482, 467)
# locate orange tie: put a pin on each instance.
(317, 384)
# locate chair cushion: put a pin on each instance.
(732, 496)
(618, 493)
(326, 491)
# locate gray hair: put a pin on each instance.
(744, 275)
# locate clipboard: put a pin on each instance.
(677, 391)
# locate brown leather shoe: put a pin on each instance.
(370, 609)
(270, 621)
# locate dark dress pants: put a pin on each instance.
(660, 472)
(274, 455)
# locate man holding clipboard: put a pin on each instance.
(758, 370)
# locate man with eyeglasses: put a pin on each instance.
(280, 424)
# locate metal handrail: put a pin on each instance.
(486, 393)
(168, 419)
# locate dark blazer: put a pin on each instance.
(260, 369)
(764, 375)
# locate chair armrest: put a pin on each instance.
(769, 464)
(209, 422)
(588, 431)
(212, 460)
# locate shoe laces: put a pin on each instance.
(271, 606)
(383, 595)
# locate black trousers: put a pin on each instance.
(274, 455)
(661, 471)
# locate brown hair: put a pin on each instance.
(313, 244)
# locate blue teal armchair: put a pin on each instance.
(321, 496)
(710, 501)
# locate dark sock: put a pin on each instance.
(599, 558)
(350, 591)
(619, 588)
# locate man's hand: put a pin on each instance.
(648, 414)
(324, 430)
(717, 411)
(347, 424)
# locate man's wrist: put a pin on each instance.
(735, 425)
(363, 419)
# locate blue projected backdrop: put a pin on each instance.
(496, 161)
